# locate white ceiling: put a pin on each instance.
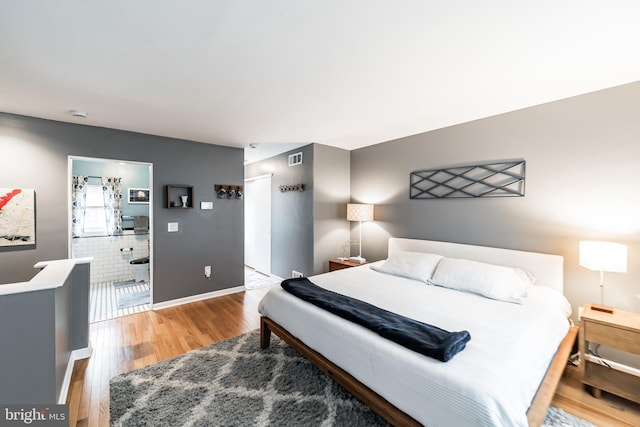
(345, 73)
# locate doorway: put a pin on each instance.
(110, 219)
(257, 223)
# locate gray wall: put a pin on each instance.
(30, 364)
(308, 227)
(80, 306)
(331, 177)
(582, 182)
(35, 154)
(291, 211)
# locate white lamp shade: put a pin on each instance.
(359, 212)
(603, 256)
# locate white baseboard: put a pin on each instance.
(194, 298)
(81, 353)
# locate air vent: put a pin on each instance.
(295, 159)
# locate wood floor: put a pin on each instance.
(138, 340)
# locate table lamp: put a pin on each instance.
(359, 212)
(603, 256)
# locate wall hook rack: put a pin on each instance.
(294, 187)
(229, 191)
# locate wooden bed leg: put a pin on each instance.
(265, 334)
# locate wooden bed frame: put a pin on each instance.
(549, 272)
(535, 415)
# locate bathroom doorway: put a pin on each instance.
(110, 219)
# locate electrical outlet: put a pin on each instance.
(296, 274)
(207, 271)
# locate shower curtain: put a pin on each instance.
(78, 204)
(112, 192)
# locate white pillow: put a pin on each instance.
(414, 265)
(490, 280)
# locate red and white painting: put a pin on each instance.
(17, 217)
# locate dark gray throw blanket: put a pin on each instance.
(417, 336)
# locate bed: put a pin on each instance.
(506, 374)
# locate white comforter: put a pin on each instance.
(490, 383)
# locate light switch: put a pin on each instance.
(206, 205)
(172, 227)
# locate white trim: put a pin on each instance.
(195, 298)
(82, 260)
(255, 178)
(79, 354)
(52, 274)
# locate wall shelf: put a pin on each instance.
(173, 195)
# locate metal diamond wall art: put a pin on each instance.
(495, 179)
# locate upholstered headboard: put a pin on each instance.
(547, 268)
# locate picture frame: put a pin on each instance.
(138, 196)
(17, 217)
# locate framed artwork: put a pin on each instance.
(17, 217)
(139, 196)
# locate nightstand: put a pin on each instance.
(336, 264)
(619, 330)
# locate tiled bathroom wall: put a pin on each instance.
(111, 255)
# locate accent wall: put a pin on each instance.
(35, 155)
(582, 183)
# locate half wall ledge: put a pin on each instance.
(46, 323)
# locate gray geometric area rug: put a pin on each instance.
(235, 383)
(556, 417)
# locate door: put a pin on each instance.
(257, 223)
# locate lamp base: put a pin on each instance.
(357, 259)
(602, 308)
